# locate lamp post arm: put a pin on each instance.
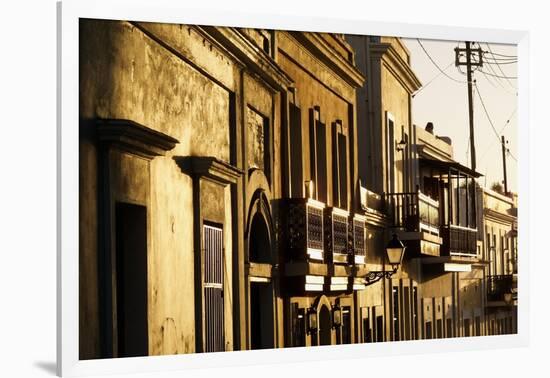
(375, 276)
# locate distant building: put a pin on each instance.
(500, 241)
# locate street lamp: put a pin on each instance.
(336, 316)
(394, 252)
(401, 145)
(312, 320)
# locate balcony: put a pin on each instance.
(417, 216)
(321, 245)
(459, 241)
(305, 231)
(502, 289)
(304, 241)
(415, 212)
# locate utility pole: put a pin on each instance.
(504, 150)
(468, 52)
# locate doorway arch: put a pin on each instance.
(261, 298)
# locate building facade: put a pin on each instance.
(500, 242)
(239, 186)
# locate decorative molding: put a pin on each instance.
(398, 67)
(323, 51)
(209, 167)
(133, 137)
(497, 216)
(246, 51)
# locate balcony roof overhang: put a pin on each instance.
(449, 166)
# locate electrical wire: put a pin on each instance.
(490, 81)
(491, 121)
(497, 80)
(499, 67)
(497, 54)
(433, 79)
(487, 55)
(436, 65)
(486, 112)
(500, 76)
(500, 133)
(497, 63)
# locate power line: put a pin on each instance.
(490, 60)
(433, 79)
(491, 121)
(502, 77)
(436, 65)
(499, 81)
(499, 67)
(500, 133)
(498, 63)
(494, 72)
(496, 58)
(497, 54)
(508, 120)
(488, 79)
(486, 112)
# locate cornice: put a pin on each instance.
(210, 168)
(498, 216)
(240, 46)
(397, 66)
(133, 137)
(323, 51)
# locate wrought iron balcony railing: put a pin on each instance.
(459, 241)
(414, 212)
(501, 286)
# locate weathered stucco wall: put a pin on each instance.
(126, 74)
(313, 90)
(395, 100)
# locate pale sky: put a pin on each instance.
(445, 103)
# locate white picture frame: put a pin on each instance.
(68, 363)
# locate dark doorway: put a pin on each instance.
(346, 325)
(131, 280)
(325, 326)
(261, 315)
(379, 329)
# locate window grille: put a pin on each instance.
(359, 237)
(213, 289)
(314, 228)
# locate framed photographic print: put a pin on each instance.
(286, 187)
